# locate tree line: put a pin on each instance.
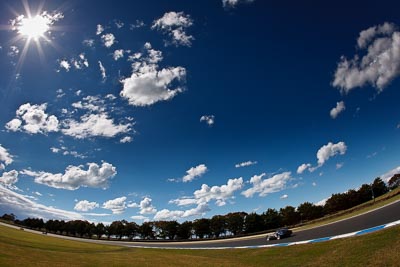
(231, 224)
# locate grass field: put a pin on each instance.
(20, 248)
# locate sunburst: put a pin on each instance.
(33, 27)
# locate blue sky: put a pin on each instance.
(157, 111)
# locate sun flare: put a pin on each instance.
(34, 27)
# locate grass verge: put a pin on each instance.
(20, 248)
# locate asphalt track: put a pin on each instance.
(387, 214)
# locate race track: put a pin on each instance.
(387, 214)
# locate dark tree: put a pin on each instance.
(131, 230)
(309, 211)
(253, 222)
(379, 187)
(202, 228)
(99, 230)
(117, 229)
(218, 225)
(271, 219)
(8, 217)
(289, 216)
(184, 230)
(394, 181)
(235, 222)
(146, 230)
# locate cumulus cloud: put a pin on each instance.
(303, 167)
(74, 177)
(175, 24)
(323, 154)
(33, 119)
(285, 196)
(380, 64)
(8, 179)
(194, 172)
(329, 150)
(234, 3)
(148, 84)
(24, 207)
(245, 164)
(126, 139)
(340, 107)
(209, 119)
(119, 53)
(92, 125)
(108, 39)
(263, 187)
(64, 64)
(166, 214)
(146, 206)
(117, 205)
(205, 194)
(85, 205)
(88, 42)
(5, 157)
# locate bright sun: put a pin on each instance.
(34, 27)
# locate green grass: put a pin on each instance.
(20, 248)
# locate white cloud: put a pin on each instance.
(92, 103)
(146, 206)
(119, 53)
(234, 3)
(64, 64)
(218, 193)
(102, 71)
(339, 165)
(140, 217)
(108, 39)
(85, 205)
(166, 214)
(99, 29)
(137, 24)
(194, 172)
(80, 62)
(206, 194)
(386, 176)
(340, 107)
(284, 196)
(314, 184)
(378, 67)
(117, 205)
(96, 176)
(126, 139)
(263, 187)
(321, 202)
(8, 179)
(323, 154)
(13, 52)
(88, 42)
(64, 151)
(209, 119)
(149, 85)
(329, 150)
(33, 119)
(303, 167)
(175, 24)
(92, 125)
(245, 164)
(21, 205)
(5, 157)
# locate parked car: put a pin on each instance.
(281, 233)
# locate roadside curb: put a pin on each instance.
(317, 240)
